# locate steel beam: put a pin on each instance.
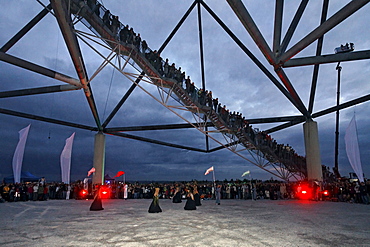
(289, 34)
(45, 119)
(156, 142)
(38, 69)
(202, 59)
(279, 7)
(284, 78)
(274, 119)
(201, 47)
(177, 27)
(39, 90)
(342, 106)
(315, 72)
(242, 13)
(155, 127)
(286, 125)
(223, 146)
(123, 100)
(133, 86)
(337, 18)
(252, 57)
(25, 29)
(66, 27)
(332, 58)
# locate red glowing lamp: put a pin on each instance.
(304, 192)
(105, 192)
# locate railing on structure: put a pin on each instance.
(92, 18)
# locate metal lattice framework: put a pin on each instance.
(171, 95)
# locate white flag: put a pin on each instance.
(353, 150)
(91, 171)
(18, 154)
(245, 173)
(65, 159)
(209, 170)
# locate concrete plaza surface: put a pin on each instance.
(233, 223)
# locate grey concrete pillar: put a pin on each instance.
(313, 158)
(99, 158)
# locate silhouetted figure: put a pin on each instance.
(107, 19)
(144, 46)
(190, 202)
(154, 206)
(177, 197)
(196, 196)
(97, 204)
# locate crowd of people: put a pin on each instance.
(35, 191)
(342, 191)
(353, 192)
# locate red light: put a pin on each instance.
(304, 192)
(326, 192)
(84, 192)
(105, 192)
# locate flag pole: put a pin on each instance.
(252, 192)
(214, 183)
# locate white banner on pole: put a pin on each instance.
(65, 159)
(18, 154)
(352, 149)
(211, 169)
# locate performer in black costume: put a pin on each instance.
(190, 203)
(196, 196)
(97, 204)
(154, 206)
(177, 197)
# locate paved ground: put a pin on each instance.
(233, 223)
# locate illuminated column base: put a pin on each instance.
(99, 158)
(313, 158)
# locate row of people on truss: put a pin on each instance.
(234, 120)
(264, 142)
(127, 35)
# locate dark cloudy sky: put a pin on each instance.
(229, 74)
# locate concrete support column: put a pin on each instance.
(99, 158)
(313, 158)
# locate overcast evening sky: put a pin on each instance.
(229, 74)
